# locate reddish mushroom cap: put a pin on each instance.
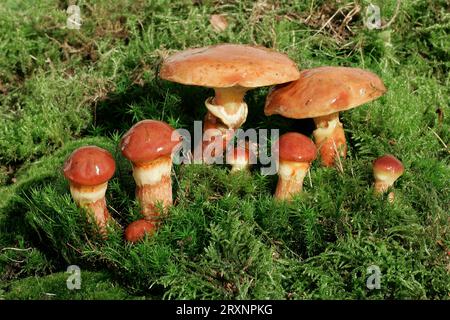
(148, 140)
(322, 91)
(388, 164)
(89, 166)
(228, 65)
(137, 230)
(296, 147)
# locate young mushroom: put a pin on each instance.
(296, 152)
(240, 157)
(138, 229)
(149, 145)
(321, 93)
(231, 70)
(386, 170)
(88, 170)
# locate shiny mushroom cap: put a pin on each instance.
(296, 147)
(228, 65)
(89, 166)
(322, 91)
(388, 165)
(137, 230)
(148, 140)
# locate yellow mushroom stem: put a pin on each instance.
(228, 105)
(329, 137)
(290, 179)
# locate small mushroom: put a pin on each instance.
(240, 157)
(296, 152)
(138, 229)
(88, 170)
(216, 136)
(149, 145)
(386, 170)
(321, 93)
(231, 70)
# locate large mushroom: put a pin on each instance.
(149, 145)
(231, 70)
(295, 152)
(321, 93)
(88, 170)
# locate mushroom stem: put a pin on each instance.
(330, 138)
(229, 106)
(382, 184)
(92, 198)
(153, 185)
(290, 179)
(215, 135)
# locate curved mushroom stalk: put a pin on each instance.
(290, 179)
(229, 106)
(92, 198)
(153, 185)
(330, 139)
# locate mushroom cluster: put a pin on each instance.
(231, 70)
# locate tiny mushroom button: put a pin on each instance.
(321, 93)
(149, 145)
(386, 170)
(88, 170)
(296, 152)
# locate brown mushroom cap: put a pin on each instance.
(148, 140)
(228, 65)
(296, 147)
(388, 164)
(89, 166)
(137, 230)
(322, 91)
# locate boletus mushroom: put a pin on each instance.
(386, 170)
(88, 170)
(321, 93)
(296, 152)
(150, 145)
(231, 70)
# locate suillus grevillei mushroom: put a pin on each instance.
(240, 157)
(231, 70)
(386, 170)
(321, 93)
(149, 145)
(138, 229)
(88, 170)
(295, 152)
